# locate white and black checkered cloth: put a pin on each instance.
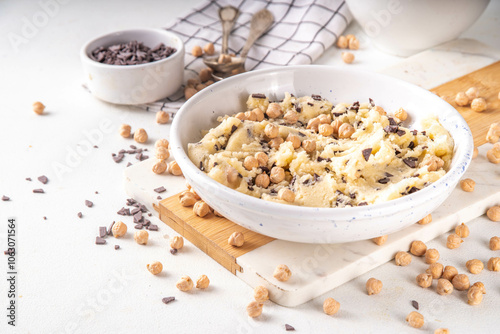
(301, 32)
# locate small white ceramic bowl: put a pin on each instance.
(306, 224)
(134, 84)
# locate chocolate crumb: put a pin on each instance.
(391, 129)
(366, 153)
(117, 247)
(233, 128)
(362, 203)
(385, 180)
(258, 96)
(413, 190)
(414, 304)
(43, 179)
(95, 146)
(110, 228)
(138, 226)
(289, 328)
(158, 197)
(392, 121)
(371, 102)
(388, 174)
(28, 179)
(310, 104)
(411, 162)
(44, 218)
(128, 164)
(38, 191)
(102, 231)
(400, 132)
(99, 241)
(5, 198)
(133, 147)
(153, 227)
(118, 158)
(79, 214)
(316, 97)
(167, 300)
(89, 203)
(411, 145)
(173, 251)
(161, 189)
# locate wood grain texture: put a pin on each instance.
(487, 80)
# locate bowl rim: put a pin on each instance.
(425, 194)
(84, 50)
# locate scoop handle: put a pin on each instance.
(227, 16)
(261, 22)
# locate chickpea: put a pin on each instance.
(493, 155)
(495, 243)
(250, 116)
(187, 199)
(237, 239)
(202, 282)
(401, 114)
(444, 287)
(259, 114)
(209, 49)
(467, 185)
(347, 57)
(291, 117)
(254, 309)
(271, 131)
(462, 231)
(38, 108)
(493, 213)
(442, 331)
(379, 241)
(461, 99)
(162, 153)
(155, 268)
(331, 306)
(119, 229)
(474, 296)
(201, 209)
(295, 140)
(424, 280)
(277, 174)
(435, 270)
(276, 143)
(472, 93)
(478, 104)
(262, 158)
(342, 42)
(205, 74)
(273, 110)
(418, 248)
(200, 87)
(453, 241)
(196, 196)
(141, 237)
(475, 266)
(431, 256)
(262, 180)
(141, 136)
(189, 92)
(325, 119)
(402, 259)
(177, 242)
(313, 124)
(480, 286)
(373, 286)
(449, 272)
(125, 130)
(434, 163)
(162, 143)
(475, 153)
(225, 59)
(241, 116)
(196, 51)
(460, 282)
(260, 294)
(282, 273)
(250, 163)
(325, 130)
(349, 37)
(336, 125)
(494, 264)
(353, 43)
(174, 169)
(493, 133)
(232, 176)
(184, 284)
(380, 110)
(309, 145)
(286, 195)
(346, 130)
(162, 117)
(415, 319)
(160, 167)
(426, 220)
(192, 82)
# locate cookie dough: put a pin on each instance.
(328, 156)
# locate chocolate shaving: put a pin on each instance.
(89, 203)
(117, 247)
(289, 328)
(5, 198)
(411, 162)
(118, 158)
(411, 146)
(258, 96)
(153, 227)
(158, 197)
(28, 179)
(316, 97)
(371, 102)
(392, 121)
(385, 180)
(167, 300)
(233, 128)
(110, 228)
(413, 190)
(43, 179)
(298, 109)
(99, 241)
(414, 304)
(414, 132)
(366, 153)
(388, 174)
(391, 129)
(131, 53)
(79, 214)
(159, 190)
(310, 104)
(138, 226)
(102, 231)
(38, 191)
(400, 132)
(173, 251)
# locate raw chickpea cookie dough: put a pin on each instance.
(305, 151)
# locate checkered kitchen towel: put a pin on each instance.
(302, 31)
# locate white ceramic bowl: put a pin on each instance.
(406, 27)
(306, 224)
(134, 84)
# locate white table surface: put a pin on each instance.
(67, 284)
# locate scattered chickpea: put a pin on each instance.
(424, 280)
(262, 158)
(313, 124)
(461, 99)
(250, 116)
(187, 199)
(177, 242)
(426, 220)
(241, 116)
(493, 213)
(232, 176)
(196, 51)
(276, 143)
(277, 174)
(125, 130)
(189, 92)
(495, 243)
(435, 270)
(493, 154)
(38, 108)
(282, 273)
(262, 180)
(237, 239)
(444, 287)
(467, 185)
(295, 140)
(433, 162)
(286, 195)
(325, 119)
(205, 74)
(453, 241)
(325, 130)
(174, 169)
(475, 266)
(202, 282)
(380, 240)
(449, 272)
(119, 229)
(331, 306)
(462, 231)
(493, 133)
(442, 331)
(201, 209)
(347, 57)
(273, 110)
(349, 37)
(353, 43)
(431, 256)
(460, 282)
(472, 93)
(162, 117)
(474, 296)
(254, 309)
(271, 131)
(336, 125)
(209, 49)
(380, 110)
(250, 163)
(184, 284)
(342, 42)
(192, 82)
(200, 87)
(155, 268)
(162, 143)
(346, 130)
(141, 237)
(160, 167)
(480, 286)
(291, 117)
(475, 153)
(478, 104)
(415, 319)
(418, 248)
(162, 153)
(195, 194)
(141, 136)
(494, 264)
(260, 294)
(373, 286)
(309, 145)
(402, 259)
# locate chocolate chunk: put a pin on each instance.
(79, 214)
(134, 211)
(153, 227)
(95, 146)
(414, 132)
(44, 218)
(128, 164)
(122, 151)
(414, 304)
(137, 216)
(392, 121)
(233, 128)
(411, 162)
(388, 174)
(337, 114)
(385, 180)
(413, 190)
(258, 96)
(138, 226)
(310, 104)
(131, 53)
(110, 228)
(316, 97)
(133, 147)
(89, 203)
(298, 109)
(5, 198)
(371, 102)
(161, 189)
(43, 179)
(99, 241)
(158, 197)
(400, 132)
(38, 191)
(362, 203)
(138, 156)
(173, 251)
(391, 129)
(117, 247)
(28, 179)
(316, 177)
(354, 106)
(118, 158)
(289, 328)
(131, 201)
(167, 300)
(411, 146)
(366, 153)
(301, 134)
(424, 133)
(102, 231)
